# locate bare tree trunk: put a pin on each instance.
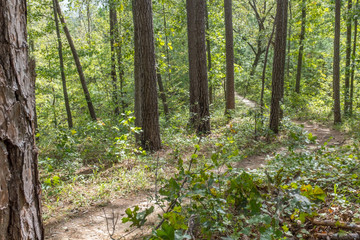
(279, 64)
(163, 95)
(63, 78)
(166, 45)
(353, 63)
(88, 16)
(20, 189)
(113, 28)
(301, 48)
(348, 59)
(199, 96)
(77, 62)
(230, 87)
(289, 44)
(336, 71)
(208, 48)
(146, 72)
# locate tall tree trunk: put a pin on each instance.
(166, 45)
(208, 48)
(230, 87)
(289, 43)
(88, 16)
(113, 28)
(353, 63)
(301, 48)
(145, 52)
(20, 189)
(199, 98)
(336, 71)
(278, 64)
(348, 58)
(77, 62)
(63, 78)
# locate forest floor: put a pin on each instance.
(99, 222)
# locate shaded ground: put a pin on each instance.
(92, 224)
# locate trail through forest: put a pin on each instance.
(99, 222)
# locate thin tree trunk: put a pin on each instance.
(208, 48)
(20, 188)
(63, 78)
(230, 88)
(289, 44)
(146, 74)
(348, 58)
(336, 71)
(166, 45)
(278, 64)
(88, 16)
(199, 95)
(264, 70)
(353, 63)
(77, 62)
(113, 28)
(301, 48)
(162, 95)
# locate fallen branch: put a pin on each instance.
(349, 236)
(343, 225)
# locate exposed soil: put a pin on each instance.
(92, 224)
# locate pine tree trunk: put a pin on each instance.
(289, 43)
(230, 87)
(348, 59)
(199, 95)
(146, 74)
(353, 63)
(20, 189)
(163, 95)
(112, 16)
(336, 71)
(208, 49)
(278, 64)
(301, 48)
(77, 62)
(63, 78)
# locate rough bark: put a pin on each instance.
(353, 63)
(63, 78)
(230, 87)
(20, 189)
(336, 66)
(146, 72)
(278, 64)
(77, 63)
(199, 96)
(208, 49)
(348, 58)
(112, 16)
(301, 47)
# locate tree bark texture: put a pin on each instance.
(20, 189)
(199, 95)
(77, 62)
(208, 49)
(336, 64)
(146, 74)
(348, 58)
(278, 64)
(63, 78)
(301, 47)
(113, 28)
(353, 62)
(162, 95)
(229, 38)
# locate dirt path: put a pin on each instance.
(91, 225)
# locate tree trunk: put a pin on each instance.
(63, 78)
(113, 27)
(77, 62)
(146, 74)
(353, 63)
(166, 45)
(208, 48)
(289, 44)
(88, 16)
(199, 96)
(301, 48)
(336, 71)
(278, 64)
(348, 59)
(163, 95)
(20, 189)
(230, 88)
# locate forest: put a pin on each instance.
(179, 119)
